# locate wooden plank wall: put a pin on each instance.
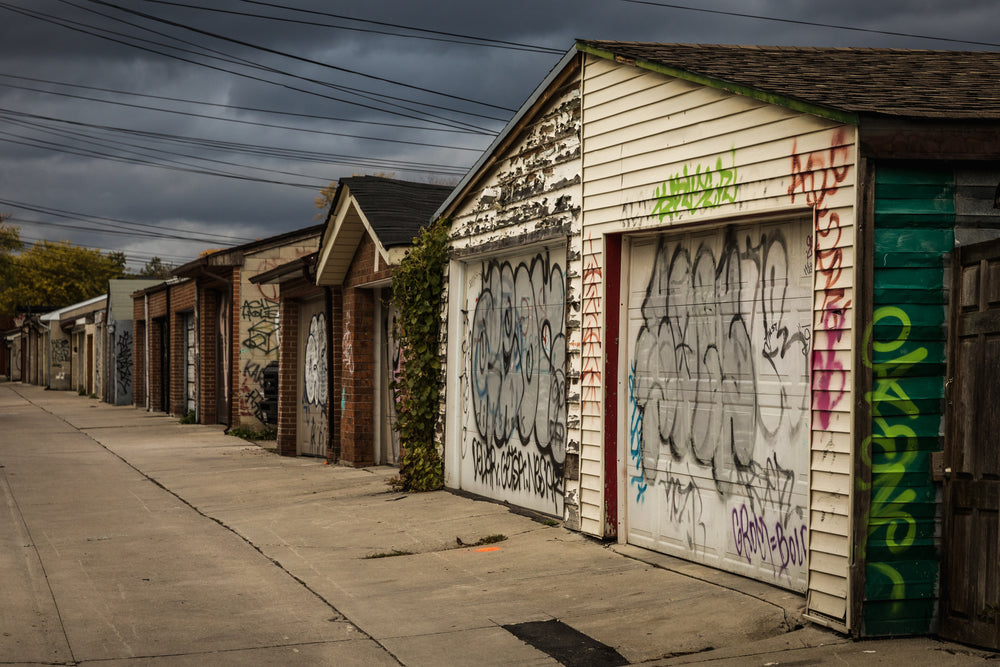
(914, 233)
(661, 152)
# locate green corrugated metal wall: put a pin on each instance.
(914, 232)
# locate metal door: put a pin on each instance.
(970, 574)
(718, 340)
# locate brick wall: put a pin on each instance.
(354, 349)
(139, 362)
(182, 298)
(357, 428)
(288, 367)
(234, 350)
(335, 307)
(208, 304)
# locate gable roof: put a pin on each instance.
(390, 212)
(396, 210)
(855, 81)
(234, 256)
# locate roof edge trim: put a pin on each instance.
(721, 84)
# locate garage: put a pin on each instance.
(513, 385)
(717, 345)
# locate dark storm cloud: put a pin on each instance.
(196, 204)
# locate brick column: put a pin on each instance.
(288, 395)
(208, 303)
(357, 430)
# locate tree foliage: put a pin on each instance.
(417, 289)
(54, 274)
(156, 268)
(10, 243)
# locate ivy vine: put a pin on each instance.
(418, 290)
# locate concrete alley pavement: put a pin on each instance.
(130, 539)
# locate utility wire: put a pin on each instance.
(486, 41)
(236, 147)
(218, 118)
(808, 23)
(53, 146)
(382, 98)
(114, 144)
(211, 104)
(427, 117)
(250, 45)
(208, 141)
(119, 223)
(225, 57)
(448, 37)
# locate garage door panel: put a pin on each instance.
(718, 338)
(514, 432)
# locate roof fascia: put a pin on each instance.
(728, 86)
(507, 135)
(346, 201)
(371, 231)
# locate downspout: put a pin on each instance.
(165, 371)
(197, 353)
(145, 299)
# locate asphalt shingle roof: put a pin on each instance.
(889, 82)
(396, 209)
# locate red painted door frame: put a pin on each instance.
(612, 312)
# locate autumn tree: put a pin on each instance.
(56, 274)
(326, 194)
(156, 268)
(324, 200)
(10, 243)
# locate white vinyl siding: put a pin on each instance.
(642, 133)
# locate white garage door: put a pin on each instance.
(718, 336)
(513, 428)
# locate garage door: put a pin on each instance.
(513, 435)
(718, 338)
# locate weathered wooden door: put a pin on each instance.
(970, 576)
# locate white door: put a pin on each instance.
(191, 366)
(513, 384)
(387, 449)
(313, 426)
(717, 404)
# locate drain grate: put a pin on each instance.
(570, 647)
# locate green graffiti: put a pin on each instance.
(703, 188)
(906, 340)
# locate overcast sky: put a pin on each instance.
(184, 129)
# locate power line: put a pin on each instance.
(808, 23)
(49, 145)
(427, 116)
(214, 104)
(250, 149)
(225, 57)
(143, 229)
(111, 143)
(448, 37)
(231, 120)
(218, 144)
(284, 54)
